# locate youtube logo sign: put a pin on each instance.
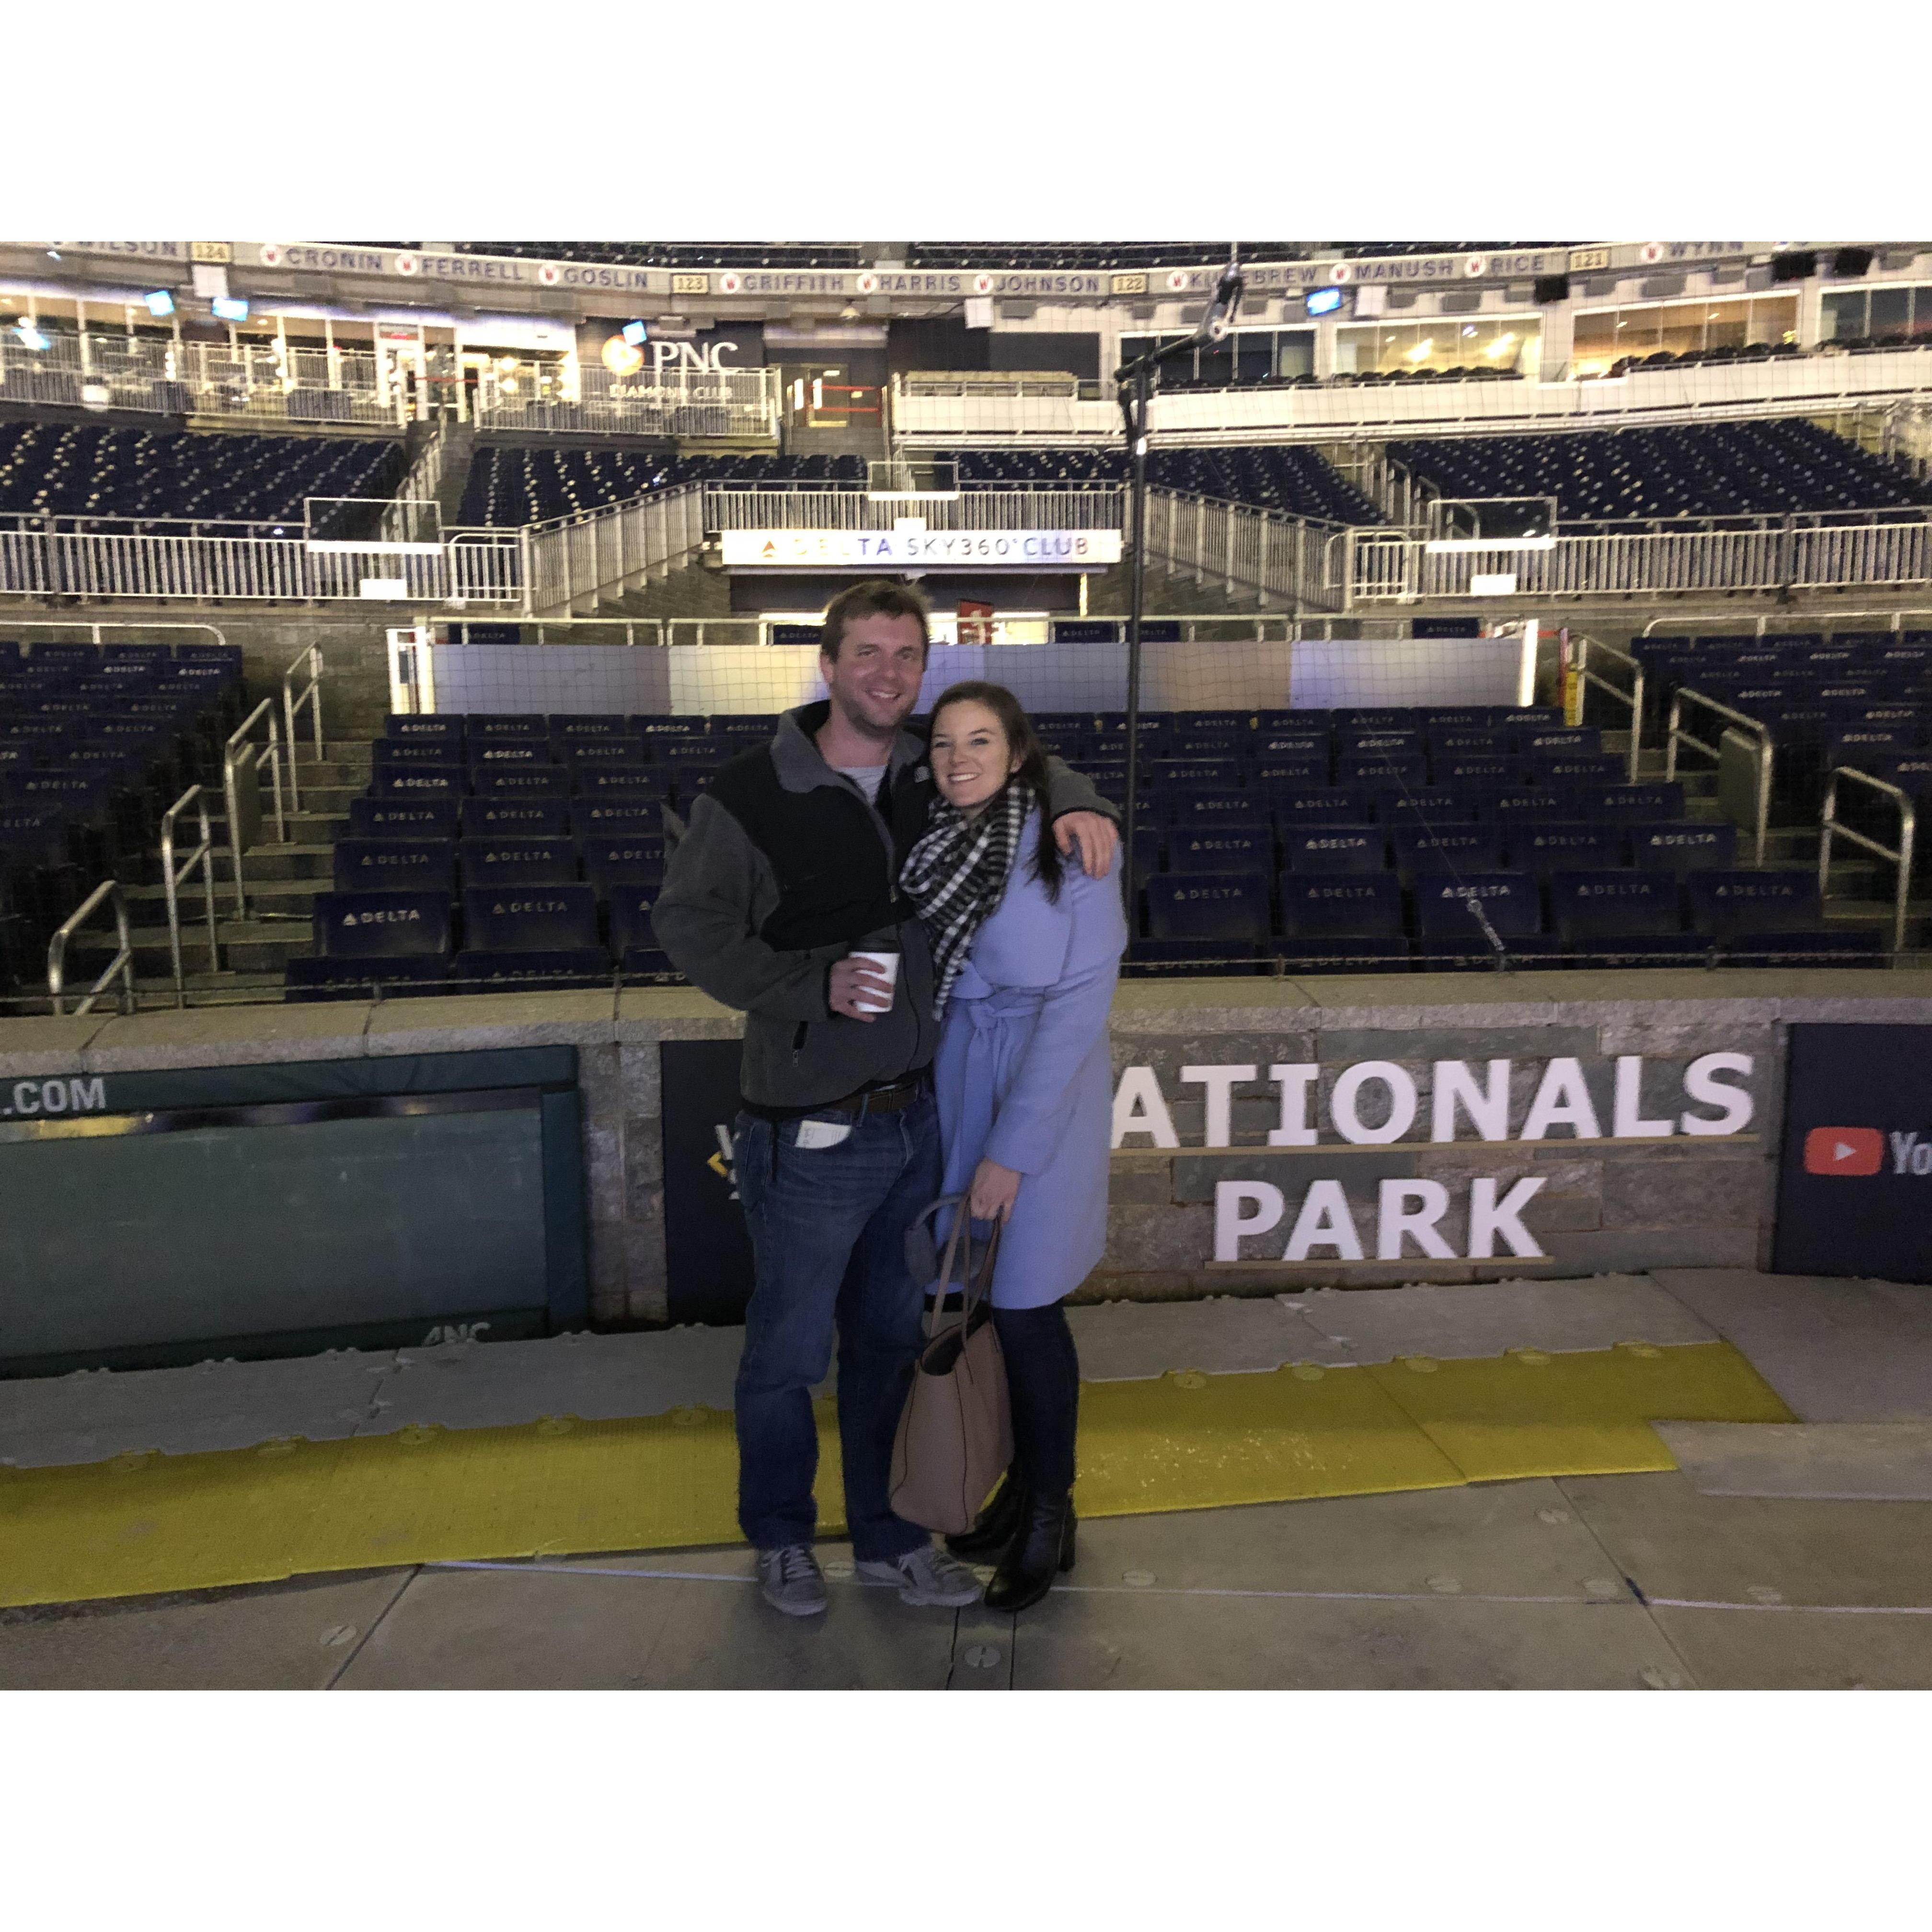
(1843, 1150)
(1881, 1227)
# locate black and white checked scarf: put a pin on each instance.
(956, 874)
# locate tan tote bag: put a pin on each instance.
(955, 1434)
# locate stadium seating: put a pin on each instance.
(1285, 477)
(1717, 469)
(95, 744)
(1368, 846)
(141, 475)
(515, 484)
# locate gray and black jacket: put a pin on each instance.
(785, 869)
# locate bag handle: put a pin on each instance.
(969, 1300)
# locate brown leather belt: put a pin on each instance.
(902, 1093)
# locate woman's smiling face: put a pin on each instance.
(971, 759)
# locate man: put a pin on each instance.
(791, 861)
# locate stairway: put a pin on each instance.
(1858, 892)
(282, 881)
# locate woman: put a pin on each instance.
(1026, 950)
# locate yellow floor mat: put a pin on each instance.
(1189, 1441)
(148, 1523)
(1529, 1413)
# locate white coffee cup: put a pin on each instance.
(887, 963)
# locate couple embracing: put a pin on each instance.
(924, 939)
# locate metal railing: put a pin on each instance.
(292, 703)
(1383, 565)
(41, 563)
(1264, 552)
(1675, 735)
(1830, 826)
(242, 760)
(1810, 620)
(266, 381)
(122, 966)
(1632, 697)
(566, 565)
(174, 878)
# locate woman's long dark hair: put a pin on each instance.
(1031, 776)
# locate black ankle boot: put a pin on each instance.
(998, 1523)
(1043, 1548)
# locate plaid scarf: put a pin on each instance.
(956, 874)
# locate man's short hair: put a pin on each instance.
(877, 597)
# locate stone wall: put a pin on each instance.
(1607, 1203)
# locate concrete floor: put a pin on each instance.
(1622, 1582)
(1754, 1566)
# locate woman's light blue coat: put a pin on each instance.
(1023, 1074)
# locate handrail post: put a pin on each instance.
(203, 856)
(1902, 857)
(122, 965)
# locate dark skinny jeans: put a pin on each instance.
(1043, 1380)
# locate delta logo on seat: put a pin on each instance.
(1856, 1151)
(384, 916)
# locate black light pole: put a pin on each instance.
(1133, 382)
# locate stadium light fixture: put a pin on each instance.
(230, 308)
(31, 337)
(159, 302)
(1323, 302)
(635, 334)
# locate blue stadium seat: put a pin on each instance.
(380, 818)
(400, 787)
(1607, 918)
(515, 818)
(1683, 846)
(1205, 922)
(496, 861)
(1335, 848)
(590, 817)
(531, 934)
(415, 754)
(1458, 848)
(395, 865)
(632, 939)
(614, 859)
(390, 939)
(611, 753)
(1269, 776)
(538, 781)
(1193, 811)
(638, 787)
(1510, 901)
(490, 754)
(1636, 801)
(1362, 913)
(1221, 849)
(405, 728)
(1544, 845)
(1334, 804)
(1431, 805)
(496, 728)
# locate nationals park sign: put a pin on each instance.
(1377, 1103)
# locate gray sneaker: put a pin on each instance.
(791, 1580)
(927, 1576)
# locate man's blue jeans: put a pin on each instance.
(828, 1229)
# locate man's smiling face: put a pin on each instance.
(874, 681)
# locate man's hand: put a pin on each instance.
(853, 980)
(992, 1195)
(1095, 836)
